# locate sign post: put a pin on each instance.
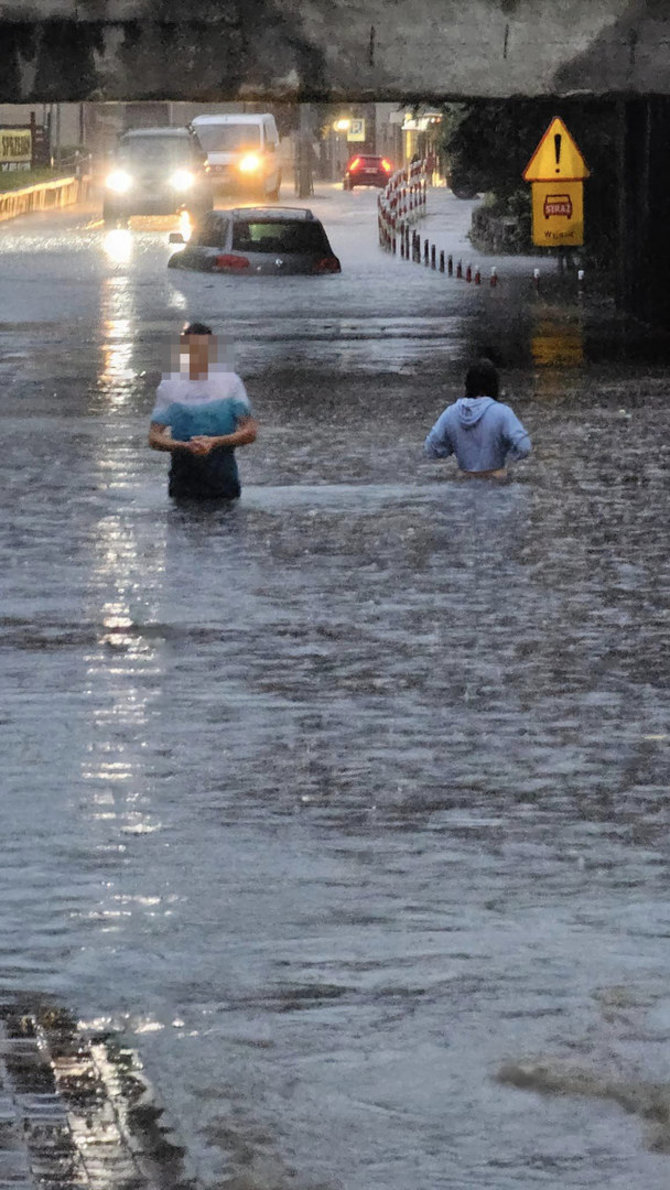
(356, 129)
(557, 171)
(16, 148)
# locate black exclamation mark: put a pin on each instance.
(557, 151)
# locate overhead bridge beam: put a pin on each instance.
(58, 50)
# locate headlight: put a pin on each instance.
(181, 179)
(250, 163)
(119, 181)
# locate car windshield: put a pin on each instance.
(156, 149)
(279, 236)
(224, 138)
(366, 161)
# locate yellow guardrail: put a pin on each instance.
(45, 196)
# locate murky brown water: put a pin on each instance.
(349, 805)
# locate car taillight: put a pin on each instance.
(228, 261)
(355, 163)
(328, 264)
(386, 165)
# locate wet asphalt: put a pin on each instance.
(348, 805)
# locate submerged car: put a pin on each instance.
(156, 171)
(367, 170)
(251, 240)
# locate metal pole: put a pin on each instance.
(33, 137)
(58, 133)
(305, 180)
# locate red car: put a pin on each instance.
(366, 170)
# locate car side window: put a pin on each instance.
(212, 233)
(242, 240)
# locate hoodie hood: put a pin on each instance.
(470, 410)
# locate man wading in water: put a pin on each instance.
(482, 432)
(200, 416)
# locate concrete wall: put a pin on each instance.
(67, 122)
(330, 49)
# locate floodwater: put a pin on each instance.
(349, 805)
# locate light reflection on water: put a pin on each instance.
(118, 246)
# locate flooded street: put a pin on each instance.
(347, 806)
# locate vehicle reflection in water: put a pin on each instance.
(123, 672)
(123, 665)
(118, 245)
(185, 225)
(117, 373)
(119, 668)
(117, 311)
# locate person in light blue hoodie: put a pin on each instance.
(478, 429)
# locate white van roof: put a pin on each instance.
(233, 118)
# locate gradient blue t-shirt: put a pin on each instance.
(212, 405)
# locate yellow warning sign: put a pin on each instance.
(556, 157)
(558, 214)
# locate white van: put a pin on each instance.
(242, 153)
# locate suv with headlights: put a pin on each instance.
(156, 171)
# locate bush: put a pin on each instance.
(503, 224)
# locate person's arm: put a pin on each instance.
(160, 438)
(245, 433)
(517, 438)
(438, 444)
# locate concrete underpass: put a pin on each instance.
(59, 50)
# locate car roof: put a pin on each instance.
(181, 133)
(233, 118)
(276, 213)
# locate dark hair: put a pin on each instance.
(196, 328)
(482, 380)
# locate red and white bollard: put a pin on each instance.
(468, 273)
(478, 277)
(536, 279)
(494, 277)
